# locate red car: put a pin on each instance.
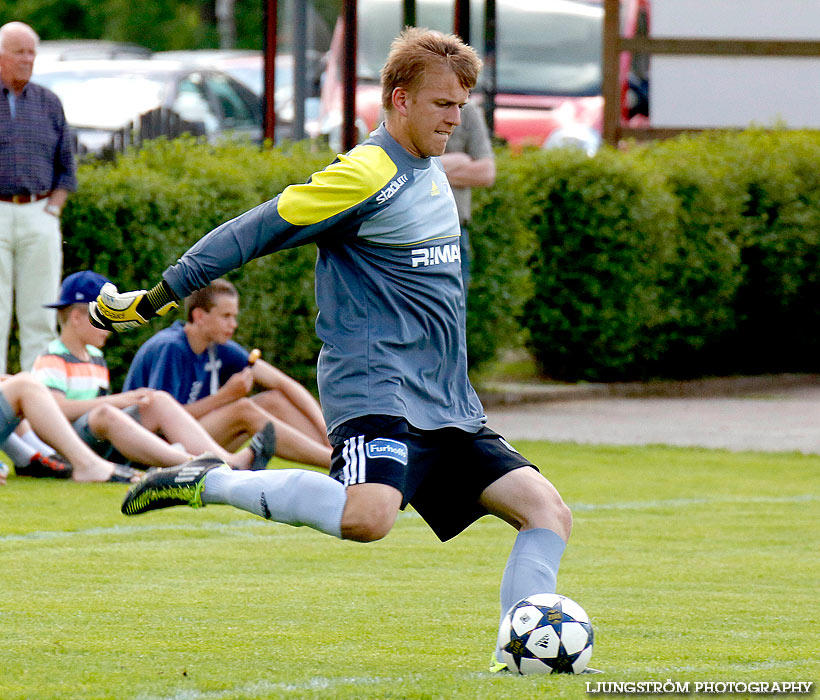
(548, 65)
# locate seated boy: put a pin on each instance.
(200, 366)
(75, 370)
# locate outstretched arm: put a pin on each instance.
(300, 215)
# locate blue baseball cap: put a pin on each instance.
(79, 288)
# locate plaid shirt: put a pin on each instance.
(35, 146)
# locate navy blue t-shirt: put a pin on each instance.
(167, 362)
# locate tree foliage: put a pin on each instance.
(159, 25)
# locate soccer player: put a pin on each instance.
(405, 424)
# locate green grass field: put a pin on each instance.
(694, 565)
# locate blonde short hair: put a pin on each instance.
(415, 50)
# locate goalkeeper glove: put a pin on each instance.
(115, 311)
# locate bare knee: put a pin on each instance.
(366, 526)
(159, 399)
(155, 405)
(19, 386)
(370, 512)
(273, 401)
(547, 510)
(562, 515)
(28, 383)
(27, 379)
(246, 410)
(100, 418)
(527, 500)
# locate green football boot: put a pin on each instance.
(172, 486)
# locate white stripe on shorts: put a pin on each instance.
(355, 468)
(362, 461)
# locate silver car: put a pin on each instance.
(101, 98)
(248, 67)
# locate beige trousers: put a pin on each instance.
(31, 260)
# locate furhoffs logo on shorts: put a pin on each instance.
(390, 449)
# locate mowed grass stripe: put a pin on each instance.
(245, 528)
(693, 564)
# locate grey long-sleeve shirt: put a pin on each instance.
(388, 282)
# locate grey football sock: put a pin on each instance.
(532, 566)
(292, 496)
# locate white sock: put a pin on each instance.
(30, 437)
(18, 450)
(293, 496)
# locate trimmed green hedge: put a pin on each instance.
(500, 277)
(691, 257)
(756, 196)
(605, 231)
(129, 220)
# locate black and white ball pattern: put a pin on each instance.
(546, 633)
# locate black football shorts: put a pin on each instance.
(441, 473)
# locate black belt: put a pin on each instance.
(23, 198)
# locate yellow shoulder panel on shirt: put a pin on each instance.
(341, 185)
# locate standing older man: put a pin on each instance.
(36, 175)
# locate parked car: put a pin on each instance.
(84, 49)
(102, 97)
(248, 67)
(548, 64)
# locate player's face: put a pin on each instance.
(17, 58)
(219, 324)
(431, 112)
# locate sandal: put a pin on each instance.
(123, 474)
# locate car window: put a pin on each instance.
(549, 48)
(236, 107)
(192, 105)
(105, 101)
(251, 76)
(556, 53)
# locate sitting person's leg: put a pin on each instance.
(233, 424)
(162, 413)
(278, 405)
(109, 424)
(27, 398)
(30, 438)
(28, 461)
(8, 422)
(18, 451)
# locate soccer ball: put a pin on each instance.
(545, 633)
